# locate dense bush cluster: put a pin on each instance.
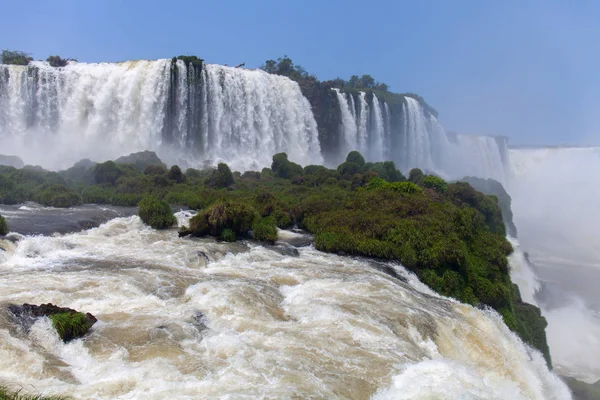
(15, 57)
(450, 235)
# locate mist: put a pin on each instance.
(555, 200)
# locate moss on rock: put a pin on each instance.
(156, 213)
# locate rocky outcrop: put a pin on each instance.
(141, 160)
(11, 161)
(69, 324)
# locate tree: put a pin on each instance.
(221, 177)
(15, 57)
(356, 158)
(56, 61)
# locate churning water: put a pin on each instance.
(184, 318)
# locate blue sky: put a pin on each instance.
(529, 70)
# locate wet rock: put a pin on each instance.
(70, 324)
(389, 270)
(200, 321)
(284, 250)
(184, 232)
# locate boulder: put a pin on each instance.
(141, 160)
(11, 161)
(70, 324)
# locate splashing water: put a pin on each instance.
(199, 319)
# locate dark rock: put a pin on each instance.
(27, 314)
(200, 320)
(11, 161)
(141, 160)
(184, 232)
(284, 250)
(389, 270)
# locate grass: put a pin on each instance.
(70, 325)
(7, 394)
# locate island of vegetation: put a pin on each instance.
(452, 236)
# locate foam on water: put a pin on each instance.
(189, 318)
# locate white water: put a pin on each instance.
(349, 128)
(106, 110)
(555, 201)
(377, 138)
(273, 327)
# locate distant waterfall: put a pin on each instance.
(185, 113)
(414, 138)
(348, 127)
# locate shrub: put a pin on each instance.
(265, 230)
(356, 158)
(222, 215)
(416, 176)
(57, 196)
(56, 61)
(15, 57)
(107, 173)
(387, 170)
(221, 177)
(436, 183)
(156, 213)
(3, 226)
(96, 194)
(70, 325)
(228, 235)
(155, 170)
(348, 169)
(284, 168)
(400, 187)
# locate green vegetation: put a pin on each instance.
(3, 226)
(449, 234)
(156, 213)
(189, 60)
(8, 394)
(15, 57)
(70, 325)
(56, 61)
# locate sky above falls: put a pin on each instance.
(529, 70)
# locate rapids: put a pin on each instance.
(187, 318)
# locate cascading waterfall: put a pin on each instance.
(363, 120)
(376, 146)
(105, 110)
(414, 138)
(348, 127)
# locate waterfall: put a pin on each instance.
(348, 127)
(377, 146)
(414, 138)
(363, 120)
(105, 110)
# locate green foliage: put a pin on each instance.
(286, 67)
(284, 168)
(228, 235)
(70, 325)
(155, 170)
(221, 177)
(56, 196)
(15, 57)
(265, 230)
(416, 176)
(3, 226)
(176, 175)
(347, 170)
(386, 170)
(436, 183)
(400, 187)
(236, 216)
(356, 158)
(190, 60)
(107, 173)
(56, 61)
(156, 213)
(96, 195)
(8, 394)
